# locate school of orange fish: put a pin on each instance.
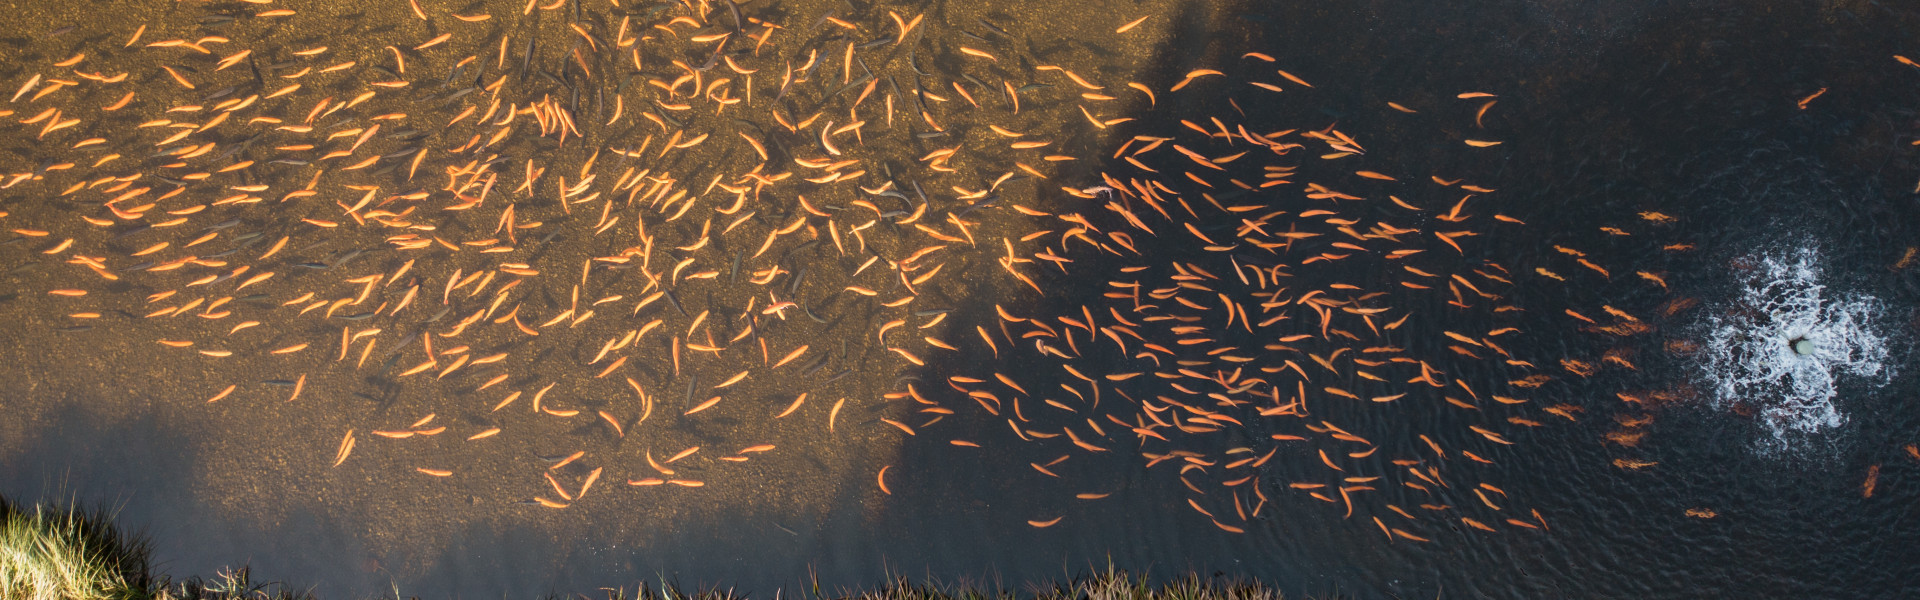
(633, 215)
(1215, 390)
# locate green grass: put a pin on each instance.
(50, 553)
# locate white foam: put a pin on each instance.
(1749, 357)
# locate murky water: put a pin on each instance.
(1089, 333)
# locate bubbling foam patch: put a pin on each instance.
(1749, 355)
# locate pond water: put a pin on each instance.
(1382, 299)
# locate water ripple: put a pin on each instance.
(1750, 357)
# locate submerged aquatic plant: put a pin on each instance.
(1786, 343)
(55, 554)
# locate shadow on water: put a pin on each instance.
(73, 467)
(964, 511)
(976, 502)
(1684, 109)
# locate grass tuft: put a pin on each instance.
(1109, 585)
(230, 584)
(52, 554)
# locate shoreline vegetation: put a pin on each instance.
(49, 553)
(53, 553)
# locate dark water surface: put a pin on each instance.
(1604, 111)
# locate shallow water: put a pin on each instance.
(1604, 112)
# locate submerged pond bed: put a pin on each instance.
(491, 298)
